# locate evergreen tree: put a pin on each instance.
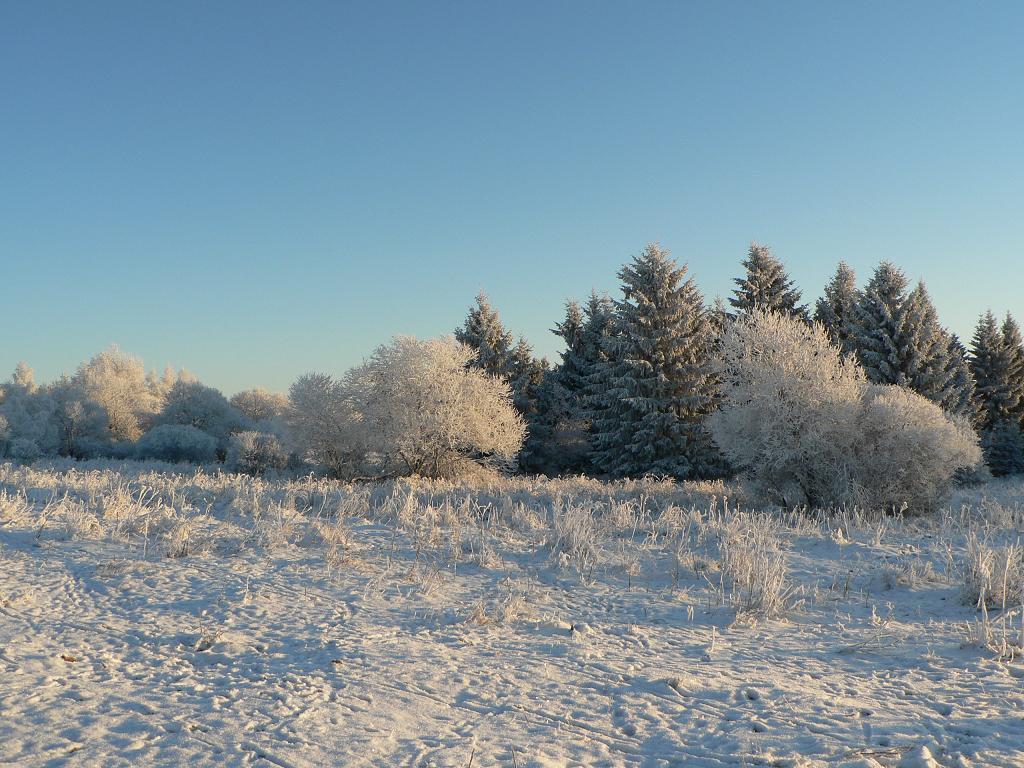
(992, 363)
(899, 340)
(959, 398)
(568, 390)
(656, 388)
(835, 308)
(922, 347)
(533, 399)
(484, 332)
(573, 370)
(1003, 446)
(875, 324)
(1015, 349)
(766, 285)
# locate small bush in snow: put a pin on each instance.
(255, 453)
(802, 423)
(993, 575)
(907, 450)
(177, 443)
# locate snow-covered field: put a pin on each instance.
(151, 616)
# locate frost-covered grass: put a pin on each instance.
(161, 615)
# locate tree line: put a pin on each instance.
(635, 392)
(636, 384)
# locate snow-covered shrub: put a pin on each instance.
(802, 423)
(907, 450)
(789, 399)
(177, 443)
(196, 405)
(415, 408)
(1003, 446)
(255, 453)
(24, 449)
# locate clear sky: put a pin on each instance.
(254, 190)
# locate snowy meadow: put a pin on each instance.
(157, 614)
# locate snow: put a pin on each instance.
(309, 623)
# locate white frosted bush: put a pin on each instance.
(193, 404)
(907, 450)
(788, 401)
(415, 408)
(255, 452)
(805, 428)
(177, 443)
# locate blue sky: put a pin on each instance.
(255, 190)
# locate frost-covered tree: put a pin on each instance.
(1014, 344)
(160, 386)
(536, 401)
(1003, 446)
(323, 425)
(573, 368)
(923, 348)
(875, 324)
(80, 424)
(485, 334)
(584, 331)
(27, 414)
(427, 412)
(805, 427)
(259, 405)
(766, 285)
(414, 408)
(196, 405)
(899, 340)
(118, 382)
(992, 363)
(959, 398)
(658, 385)
(834, 310)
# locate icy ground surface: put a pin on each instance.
(155, 619)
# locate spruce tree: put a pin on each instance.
(569, 389)
(1015, 349)
(875, 324)
(899, 340)
(485, 333)
(992, 363)
(835, 308)
(1003, 446)
(959, 398)
(656, 388)
(532, 398)
(922, 348)
(573, 370)
(766, 285)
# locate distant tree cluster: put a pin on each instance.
(652, 381)
(111, 407)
